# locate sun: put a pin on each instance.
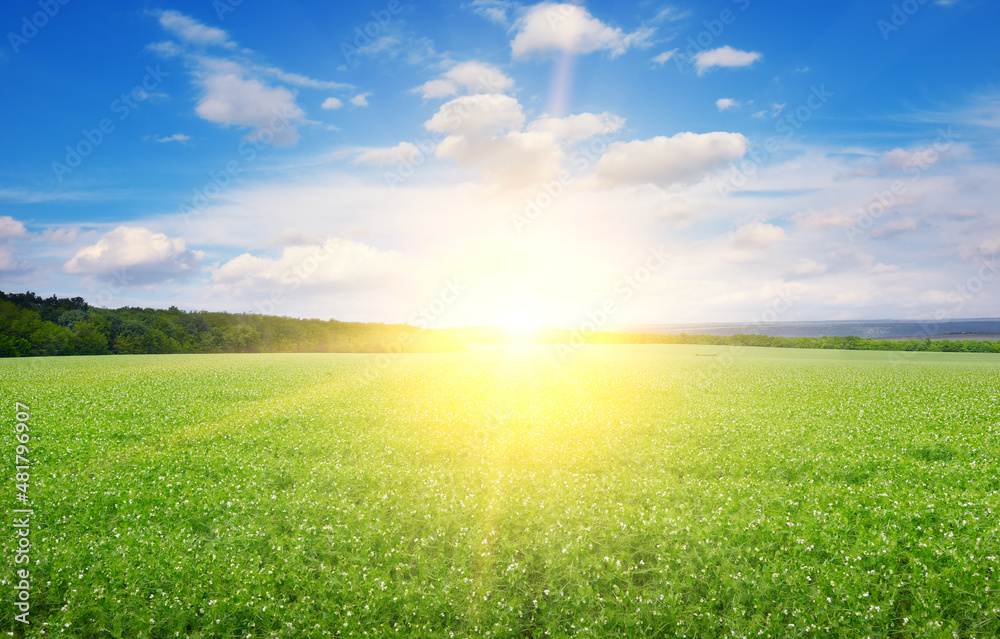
(522, 323)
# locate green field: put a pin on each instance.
(628, 491)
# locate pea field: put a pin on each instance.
(624, 491)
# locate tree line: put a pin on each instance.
(851, 343)
(31, 325)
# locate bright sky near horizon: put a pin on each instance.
(492, 162)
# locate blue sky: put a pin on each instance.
(493, 162)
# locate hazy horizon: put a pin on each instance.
(495, 162)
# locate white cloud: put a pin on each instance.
(167, 49)
(724, 57)
(300, 80)
(662, 58)
(512, 161)
(146, 255)
(568, 27)
(579, 126)
(670, 14)
(192, 31)
(493, 10)
(805, 267)
(400, 154)
(882, 269)
(685, 157)
(990, 247)
(330, 265)
(11, 228)
(8, 259)
(726, 103)
(331, 103)
(816, 219)
(901, 159)
(235, 91)
(895, 227)
(61, 235)
(478, 115)
(231, 98)
(176, 137)
(756, 236)
(486, 130)
(473, 77)
(360, 100)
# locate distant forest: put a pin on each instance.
(552, 336)
(31, 325)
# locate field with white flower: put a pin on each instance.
(629, 491)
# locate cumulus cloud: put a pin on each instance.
(756, 236)
(551, 26)
(724, 57)
(470, 77)
(990, 247)
(726, 103)
(478, 115)
(231, 98)
(901, 159)
(144, 254)
(360, 100)
(331, 103)
(331, 264)
(234, 90)
(578, 127)
(11, 228)
(683, 158)
(486, 130)
(8, 259)
(400, 154)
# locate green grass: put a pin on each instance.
(629, 491)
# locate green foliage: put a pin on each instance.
(637, 492)
(32, 325)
